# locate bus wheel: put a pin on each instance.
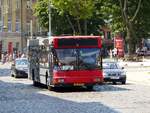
(35, 83)
(90, 87)
(49, 88)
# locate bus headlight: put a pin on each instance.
(60, 80)
(97, 80)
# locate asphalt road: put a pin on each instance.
(19, 96)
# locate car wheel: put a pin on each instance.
(123, 82)
(15, 75)
(12, 74)
(114, 83)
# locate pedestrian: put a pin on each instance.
(110, 53)
(4, 57)
(14, 55)
(19, 54)
(115, 53)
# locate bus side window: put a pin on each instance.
(43, 56)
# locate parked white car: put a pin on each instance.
(112, 72)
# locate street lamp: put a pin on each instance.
(49, 15)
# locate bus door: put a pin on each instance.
(44, 64)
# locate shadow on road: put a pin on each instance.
(108, 87)
(5, 72)
(24, 98)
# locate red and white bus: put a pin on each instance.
(66, 61)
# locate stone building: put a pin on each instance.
(16, 24)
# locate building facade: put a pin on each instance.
(16, 24)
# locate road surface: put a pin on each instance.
(20, 96)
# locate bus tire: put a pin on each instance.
(49, 88)
(35, 83)
(90, 87)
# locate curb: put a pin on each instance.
(135, 64)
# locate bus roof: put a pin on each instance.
(76, 41)
(69, 41)
(60, 37)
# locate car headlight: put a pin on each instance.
(123, 73)
(105, 74)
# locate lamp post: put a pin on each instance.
(49, 15)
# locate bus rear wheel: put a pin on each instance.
(35, 83)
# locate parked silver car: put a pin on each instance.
(20, 68)
(112, 72)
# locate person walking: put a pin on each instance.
(110, 53)
(115, 53)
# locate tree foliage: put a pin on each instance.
(41, 11)
(130, 17)
(78, 16)
(80, 9)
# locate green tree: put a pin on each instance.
(59, 22)
(41, 11)
(71, 16)
(128, 16)
(79, 9)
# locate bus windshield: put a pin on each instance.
(78, 59)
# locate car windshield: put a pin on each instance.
(83, 58)
(22, 62)
(110, 65)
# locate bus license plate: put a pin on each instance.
(78, 84)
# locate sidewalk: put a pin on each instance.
(5, 69)
(139, 77)
(134, 64)
(5, 65)
(145, 63)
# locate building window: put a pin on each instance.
(0, 13)
(28, 4)
(17, 4)
(17, 26)
(28, 28)
(9, 26)
(1, 25)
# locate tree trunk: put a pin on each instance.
(85, 27)
(130, 39)
(72, 27)
(79, 26)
